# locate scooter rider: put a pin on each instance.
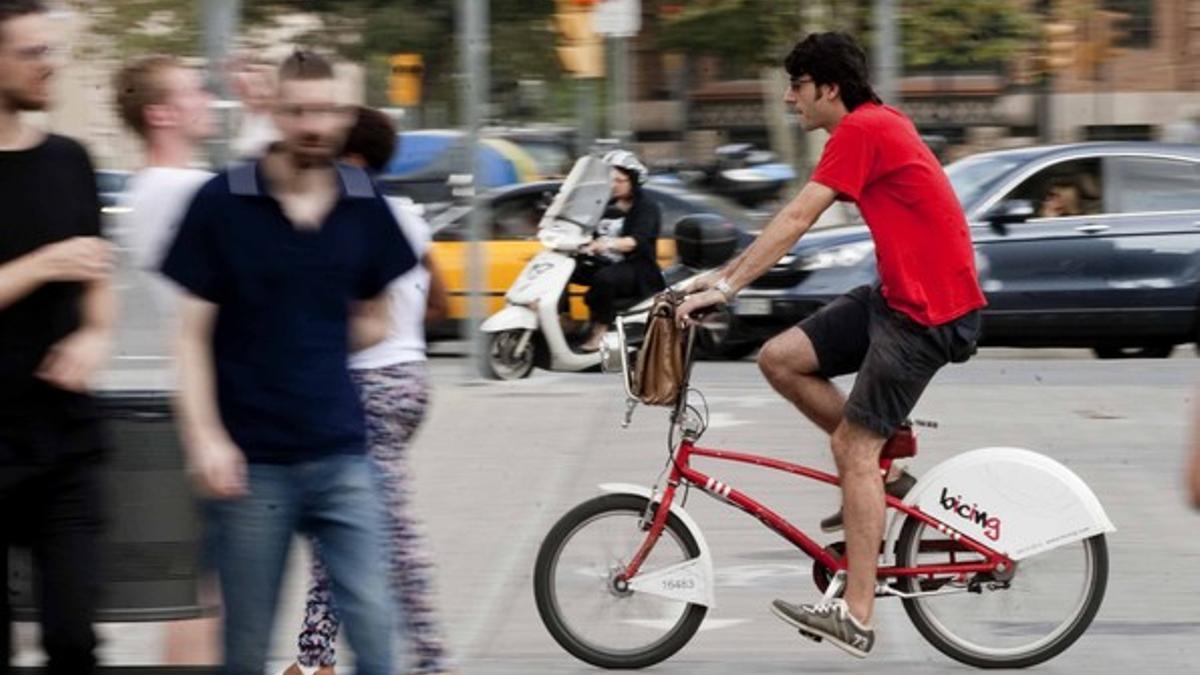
(621, 260)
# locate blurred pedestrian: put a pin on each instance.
(394, 382)
(285, 263)
(253, 82)
(165, 104)
(1194, 467)
(56, 317)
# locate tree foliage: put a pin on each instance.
(935, 34)
(962, 34)
(364, 31)
(744, 33)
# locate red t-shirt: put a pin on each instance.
(922, 244)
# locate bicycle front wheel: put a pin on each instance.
(1049, 601)
(594, 618)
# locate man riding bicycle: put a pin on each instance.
(896, 335)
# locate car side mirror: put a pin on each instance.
(1008, 212)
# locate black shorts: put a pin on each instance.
(895, 357)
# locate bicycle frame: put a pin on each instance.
(682, 473)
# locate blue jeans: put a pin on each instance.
(335, 501)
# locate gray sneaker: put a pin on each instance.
(832, 622)
(897, 488)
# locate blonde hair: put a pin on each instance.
(140, 84)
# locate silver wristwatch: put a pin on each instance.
(722, 286)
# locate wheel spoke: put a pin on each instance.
(1041, 610)
(580, 601)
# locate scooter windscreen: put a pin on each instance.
(578, 206)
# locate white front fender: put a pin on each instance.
(690, 581)
(513, 317)
(1016, 501)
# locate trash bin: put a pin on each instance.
(151, 544)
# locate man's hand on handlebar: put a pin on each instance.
(694, 305)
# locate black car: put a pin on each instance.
(1118, 272)
(517, 209)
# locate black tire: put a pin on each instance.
(1070, 629)
(544, 586)
(735, 351)
(1151, 351)
(500, 361)
(720, 339)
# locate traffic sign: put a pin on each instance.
(617, 18)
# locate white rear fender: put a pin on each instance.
(1016, 501)
(690, 581)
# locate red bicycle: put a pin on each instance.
(998, 554)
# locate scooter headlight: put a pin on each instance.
(610, 353)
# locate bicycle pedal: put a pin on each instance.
(811, 636)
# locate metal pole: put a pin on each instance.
(1043, 109)
(885, 56)
(619, 125)
(220, 27)
(473, 98)
(585, 113)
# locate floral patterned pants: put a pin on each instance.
(395, 399)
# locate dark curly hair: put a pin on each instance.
(373, 137)
(833, 58)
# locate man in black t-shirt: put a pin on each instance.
(56, 316)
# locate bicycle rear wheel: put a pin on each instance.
(591, 616)
(1044, 607)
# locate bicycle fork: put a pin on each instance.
(688, 581)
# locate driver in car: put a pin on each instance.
(1063, 198)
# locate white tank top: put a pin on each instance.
(407, 297)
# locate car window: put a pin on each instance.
(1149, 184)
(1063, 190)
(450, 224)
(517, 218)
(672, 209)
(675, 206)
(972, 177)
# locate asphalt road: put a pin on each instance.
(498, 463)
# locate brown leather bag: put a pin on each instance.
(658, 372)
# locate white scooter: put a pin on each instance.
(528, 332)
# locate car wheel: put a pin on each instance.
(727, 351)
(719, 339)
(1154, 351)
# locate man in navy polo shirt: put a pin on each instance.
(284, 263)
